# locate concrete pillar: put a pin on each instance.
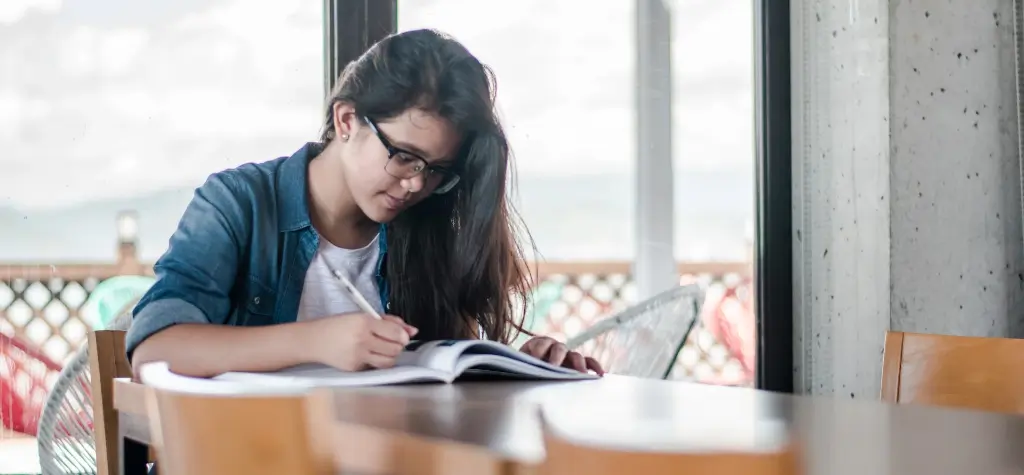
(907, 193)
(655, 268)
(841, 196)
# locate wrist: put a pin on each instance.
(303, 339)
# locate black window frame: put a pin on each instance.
(773, 251)
(350, 28)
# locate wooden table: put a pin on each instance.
(492, 428)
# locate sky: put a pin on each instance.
(104, 98)
(109, 99)
(115, 99)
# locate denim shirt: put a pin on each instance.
(240, 253)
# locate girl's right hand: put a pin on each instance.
(358, 341)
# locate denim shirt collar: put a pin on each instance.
(293, 189)
(293, 208)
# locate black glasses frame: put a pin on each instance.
(448, 178)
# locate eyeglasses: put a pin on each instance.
(404, 164)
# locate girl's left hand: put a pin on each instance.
(556, 353)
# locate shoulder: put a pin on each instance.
(270, 193)
(246, 191)
(249, 182)
(239, 198)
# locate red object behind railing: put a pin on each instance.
(25, 378)
(731, 320)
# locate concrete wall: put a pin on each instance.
(907, 194)
(956, 210)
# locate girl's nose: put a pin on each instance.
(414, 184)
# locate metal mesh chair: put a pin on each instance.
(645, 339)
(65, 435)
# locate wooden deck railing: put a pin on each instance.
(42, 304)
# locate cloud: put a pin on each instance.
(270, 32)
(12, 11)
(102, 53)
(12, 107)
(117, 99)
(113, 110)
(566, 78)
(92, 109)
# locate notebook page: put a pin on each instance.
(315, 375)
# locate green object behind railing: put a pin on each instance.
(542, 299)
(111, 295)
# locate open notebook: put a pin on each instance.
(442, 361)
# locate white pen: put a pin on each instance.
(356, 296)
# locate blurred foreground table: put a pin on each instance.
(494, 427)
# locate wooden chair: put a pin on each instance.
(956, 371)
(567, 457)
(107, 360)
(78, 425)
(205, 430)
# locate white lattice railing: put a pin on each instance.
(43, 306)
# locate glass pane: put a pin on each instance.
(118, 107)
(713, 139)
(566, 90)
(573, 140)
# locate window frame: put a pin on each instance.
(773, 252)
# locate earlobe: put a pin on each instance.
(343, 115)
(339, 123)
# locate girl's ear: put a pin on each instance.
(345, 120)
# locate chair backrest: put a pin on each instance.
(107, 360)
(645, 339)
(565, 457)
(78, 426)
(205, 428)
(65, 439)
(957, 371)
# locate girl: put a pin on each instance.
(404, 194)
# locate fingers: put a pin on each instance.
(377, 361)
(411, 330)
(592, 364)
(382, 347)
(390, 330)
(380, 352)
(538, 347)
(557, 354)
(548, 350)
(576, 362)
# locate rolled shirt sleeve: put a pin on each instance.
(195, 276)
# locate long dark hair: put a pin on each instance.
(454, 260)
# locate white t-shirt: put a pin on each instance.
(322, 294)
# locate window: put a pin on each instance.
(111, 106)
(566, 88)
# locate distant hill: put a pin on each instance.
(578, 217)
(88, 232)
